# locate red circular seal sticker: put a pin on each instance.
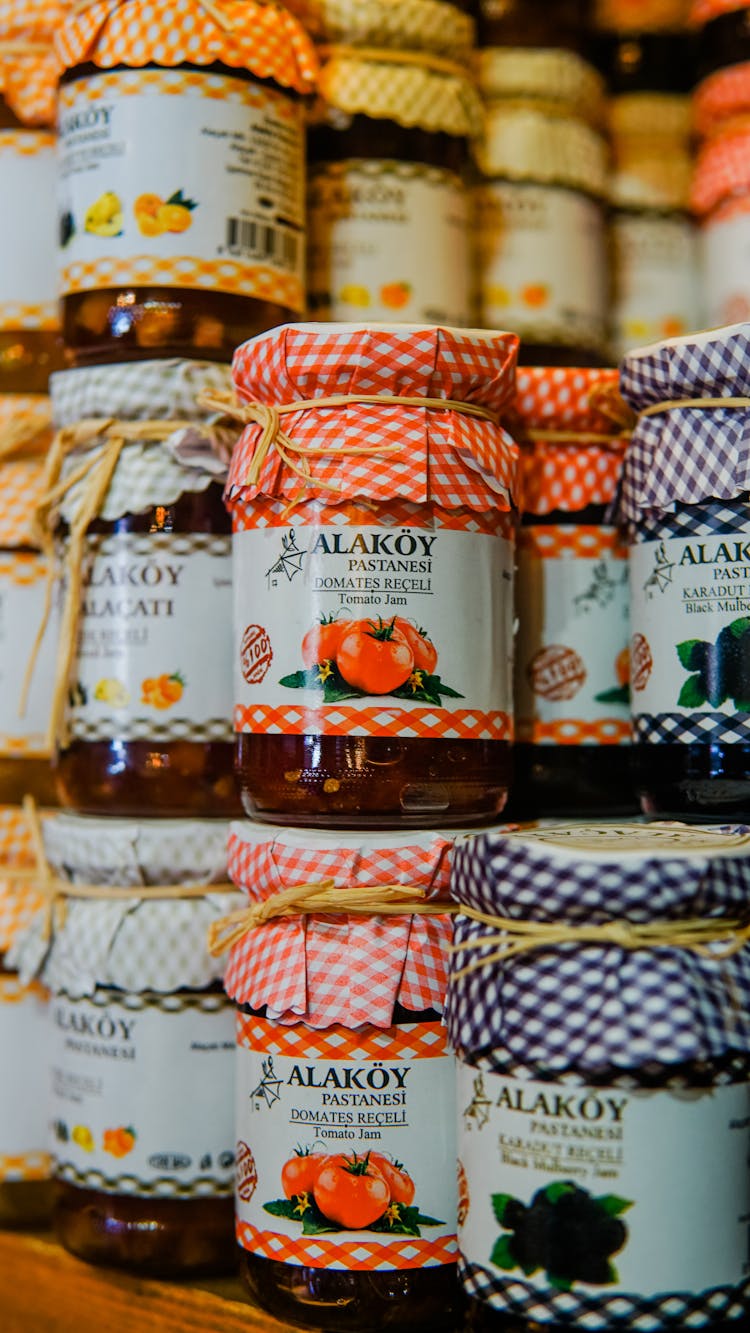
(641, 662)
(556, 672)
(246, 1172)
(256, 654)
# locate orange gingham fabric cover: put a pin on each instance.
(322, 970)
(28, 80)
(702, 11)
(18, 903)
(441, 457)
(264, 39)
(21, 479)
(722, 169)
(721, 97)
(561, 475)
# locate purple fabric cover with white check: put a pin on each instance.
(687, 455)
(592, 1007)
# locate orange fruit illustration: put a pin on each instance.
(395, 295)
(535, 294)
(162, 691)
(146, 210)
(622, 667)
(148, 203)
(119, 1142)
(174, 217)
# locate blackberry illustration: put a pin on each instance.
(720, 670)
(565, 1231)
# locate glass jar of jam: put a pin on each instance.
(373, 549)
(142, 709)
(722, 93)
(29, 341)
(181, 176)
(541, 231)
(388, 161)
(683, 501)
(576, 1059)
(140, 1043)
(720, 198)
(25, 1190)
(572, 751)
(346, 1206)
(654, 244)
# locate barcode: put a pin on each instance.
(261, 240)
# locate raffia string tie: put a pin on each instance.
(104, 439)
(57, 892)
(674, 405)
(514, 937)
(387, 55)
(321, 898)
(23, 433)
(274, 437)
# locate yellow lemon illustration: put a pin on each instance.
(111, 691)
(81, 1134)
(354, 295)
(105, 216)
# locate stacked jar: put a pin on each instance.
(648, 60)
(572, 751)
(372, 501)
(540, 208)
(181, 197)
(721, 182)
(388, 205)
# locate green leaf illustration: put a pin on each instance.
(693, 693)
(431, 690)
(295, 1210)
(404, 1221)
(560, 1283)
(333, 687)
(741, 705)
(739, 627)
(620, 694)
(691, 653)
(499, 1204)
(558, 1188)
(179, 198)
(613, 1204)
(502, 1256)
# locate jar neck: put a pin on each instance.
(536, 23)
(659, 62)
(724, 41)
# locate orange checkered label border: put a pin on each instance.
(547, 542)
(222, 275)
(358, 1255)
(339, 720)
(419, 1041)
(25, 1166)
(607, 731)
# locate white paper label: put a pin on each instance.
(181, 178)
(387, 1096)
(658, 1183)
(572, 645)
(690, 613)
(454, 586)
(655, 266)
(142, 1093)
(725, 268)
(542, 262)
(150, 607)
(388, 240)
(23, 583)
(23, 1105)
(28, 280)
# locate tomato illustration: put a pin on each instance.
(352, 1191)
(375, 657)
(424, 650)
(299, 1173)
(322, 640)
(396, 1177)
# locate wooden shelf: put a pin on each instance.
(45, 1290)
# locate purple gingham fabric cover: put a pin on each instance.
(687, 455)
(594, 1008)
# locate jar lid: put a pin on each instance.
(656, 116)
(650, 171)
(690, 452)
(447, 457)
(722, 99)
(555, 410)
(339, 968)
(24, 437)
(410, 25)
(417, 90)
(638, 16)
(595, 1004)
(128, 942)
(19, 904)
(147, 473)
(263, 39)
(703, 11)
(526, 145)
(722, 170)
(556, 79)
(28, 65)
